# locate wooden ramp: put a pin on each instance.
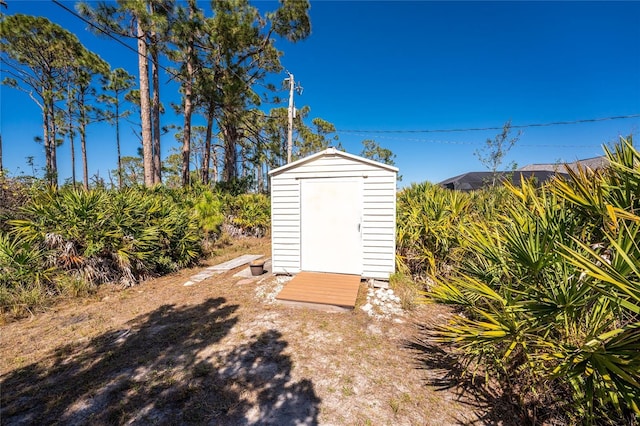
(322, 290)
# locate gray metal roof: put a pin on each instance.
(476, 180)
(592, 163)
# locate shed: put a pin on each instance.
(334, 212)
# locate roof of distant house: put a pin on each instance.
(476, 180)
(592, 163)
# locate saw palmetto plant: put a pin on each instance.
(111, 236)
(550, 293)
(427, 221)
(67, 241)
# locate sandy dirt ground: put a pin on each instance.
(223, 352)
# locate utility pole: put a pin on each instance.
(292, 114)
(290, 128)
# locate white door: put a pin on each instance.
(330, 215)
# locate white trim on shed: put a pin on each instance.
(371, 213)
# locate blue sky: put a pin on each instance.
(377, 67)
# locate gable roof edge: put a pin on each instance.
(331, 152)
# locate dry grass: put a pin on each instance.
(407, 290)
(219, 353)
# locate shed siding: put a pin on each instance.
(378, 212)
(379, 225)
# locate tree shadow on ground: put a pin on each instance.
(167, 367)
(445, 372)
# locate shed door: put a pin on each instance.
(330, 215)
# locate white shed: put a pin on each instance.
(334, 212)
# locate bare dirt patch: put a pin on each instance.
(223, 351)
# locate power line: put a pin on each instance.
(468, 129)
(102, 30)
(167, 70)
(442, 142)
(472, 143)
(369, 133)
(475, 129)
(111, 36)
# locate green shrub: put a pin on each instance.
(426, 227)
(208, 208)
(248, 215)
(551, 296)
(67, 242)
(236, 186)
(22, 263)
(14, 194)
(111, 236)
(26, 279)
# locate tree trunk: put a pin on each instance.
(118, 141)
(54, 149)
(230, 170)
(1, 169)
(260, 177)
(243, 162)
(45, 141)
(157, 155)
(145, 107)
(188, 107)
(73, 149)
(214, 164)
(83, 142)
(206, 158)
